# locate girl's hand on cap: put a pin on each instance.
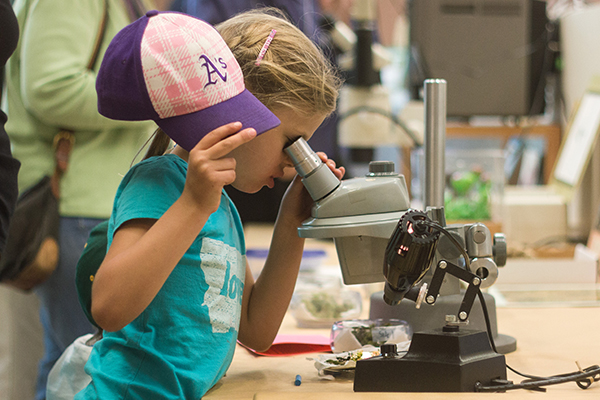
(208, 168)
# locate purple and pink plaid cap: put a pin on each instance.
(176, 70)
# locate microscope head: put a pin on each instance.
(360, 214)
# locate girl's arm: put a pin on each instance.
(144, 251)
(140, 259)
(266, 301)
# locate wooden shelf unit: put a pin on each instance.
(551, 133)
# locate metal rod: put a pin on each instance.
(435, 142)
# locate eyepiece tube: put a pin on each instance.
(318, 179)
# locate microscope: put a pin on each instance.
(379, 238)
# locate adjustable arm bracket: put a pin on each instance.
(445, 267)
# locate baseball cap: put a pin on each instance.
(176, 70)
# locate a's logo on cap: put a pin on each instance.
(187, 65)
(212, 69)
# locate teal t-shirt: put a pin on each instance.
(183, 342)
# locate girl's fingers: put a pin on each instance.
(224, 139)
(322, 156)
(339, 172)
(224, 177)
(223, 164)
(226, 145)
(216, 135)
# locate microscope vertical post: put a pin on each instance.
(435, 143)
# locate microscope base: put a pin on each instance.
(436, 361)
(432, 317)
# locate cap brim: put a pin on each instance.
(187, 130)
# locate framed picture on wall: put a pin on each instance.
(579, 142)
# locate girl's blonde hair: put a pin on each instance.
(293, 73)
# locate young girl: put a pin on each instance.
(174, 291)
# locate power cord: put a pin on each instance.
(583, 377)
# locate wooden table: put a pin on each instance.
(549, 342)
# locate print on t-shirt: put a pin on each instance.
(223, 271)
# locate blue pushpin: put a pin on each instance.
(298, 380)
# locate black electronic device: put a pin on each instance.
(408, 255)
(493, 54)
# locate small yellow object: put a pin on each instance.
(91, 278)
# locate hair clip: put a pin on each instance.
(265, 47)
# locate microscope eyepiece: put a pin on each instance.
(318, 179)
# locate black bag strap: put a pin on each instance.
(65, 138)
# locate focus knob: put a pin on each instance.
(500, 249)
